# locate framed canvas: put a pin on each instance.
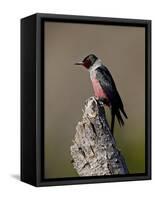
(85, 99)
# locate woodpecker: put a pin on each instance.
(104, 87)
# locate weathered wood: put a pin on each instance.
(94, 151)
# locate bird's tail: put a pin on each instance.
(119, 118)
(124, 113)
(117, 113)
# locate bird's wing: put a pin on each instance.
(106, 81)
(108, 85)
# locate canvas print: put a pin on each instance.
(94, 100)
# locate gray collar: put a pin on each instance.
(97, 64)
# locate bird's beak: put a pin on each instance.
(79, 63)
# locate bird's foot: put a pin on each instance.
(103, 101)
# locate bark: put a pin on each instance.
(94, 151)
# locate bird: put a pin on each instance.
(104, 87)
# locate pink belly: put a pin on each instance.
(99, 92)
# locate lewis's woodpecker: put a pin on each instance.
(104, 87)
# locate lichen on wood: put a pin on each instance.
(94, 151)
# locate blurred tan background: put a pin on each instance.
(122, 50)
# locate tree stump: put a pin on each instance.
(94, 151)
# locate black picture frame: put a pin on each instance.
(32, 98)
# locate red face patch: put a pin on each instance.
(87, 63)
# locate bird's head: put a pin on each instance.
(88, 61)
